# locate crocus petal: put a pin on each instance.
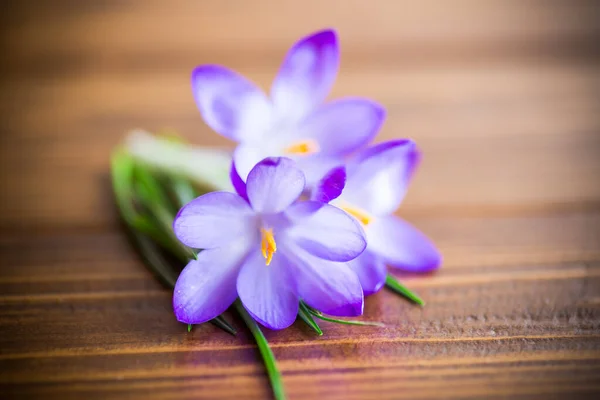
(238, 184)
(207, 286)
(328, 286)
(401, 245)
(378, 178)
(306, 75)
(268, 292)
(331, 186)
(344, 125)
(246, 156)
(371, 271)
(274, 184)
(325, 231)
(230, 104)
(215, 219)
(316, 166)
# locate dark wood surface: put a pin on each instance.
(502, 96)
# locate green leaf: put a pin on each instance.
(121, 168)
(393, 284)
(122, 174)
(154, 259)
(320, 315)
(150, 190)
(183, 190)
(143, 233)
(204, 166)
(222, 323)
(166, 273)
(265, 351)
(306, 316)
(153, 197)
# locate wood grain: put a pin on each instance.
(502, 96)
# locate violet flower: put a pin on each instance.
(269, 250)
(293, 122)
(375, 183)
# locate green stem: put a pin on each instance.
(307, 317)
(265, 351)
(393, 284)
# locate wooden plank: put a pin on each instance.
(129, 35)
(93, 286)
(467, 243)
(532, 156)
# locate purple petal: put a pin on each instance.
(274, 184)
(330, 287)
(215, 219)
(343, 126)
(316, 166)
(306, 75)
(378, 178)
(230, 104)
(238, 184)
(207, 286)
(246, 157)
(268, 292)
(401, 245)
(331, 186)
(371, 271)
(325, 231)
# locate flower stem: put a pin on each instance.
(265, 352)
(393, 284)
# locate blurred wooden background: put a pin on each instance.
(502, 96)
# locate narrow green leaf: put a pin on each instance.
(121, 168)
(183, 190)
(143, 233)
(154, 259)
(150, 189)
(350, 321)
(153, 197)
(222, 323)
(393, 284)
(265, 351)
(306, 316)
(320, 315)
(122, 174)
(157, 263)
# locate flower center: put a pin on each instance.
(302, 148)
(267, 244)
(361, 215)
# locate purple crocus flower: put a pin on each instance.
(293, 122)
(375, 183)
(269, 250)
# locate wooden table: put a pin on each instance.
(502, 96)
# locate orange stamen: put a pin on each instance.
(267, 244)
(362, 216)
(303, 147)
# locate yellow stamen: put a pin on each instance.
(303, 147)
(362, 216)
(268, 245)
